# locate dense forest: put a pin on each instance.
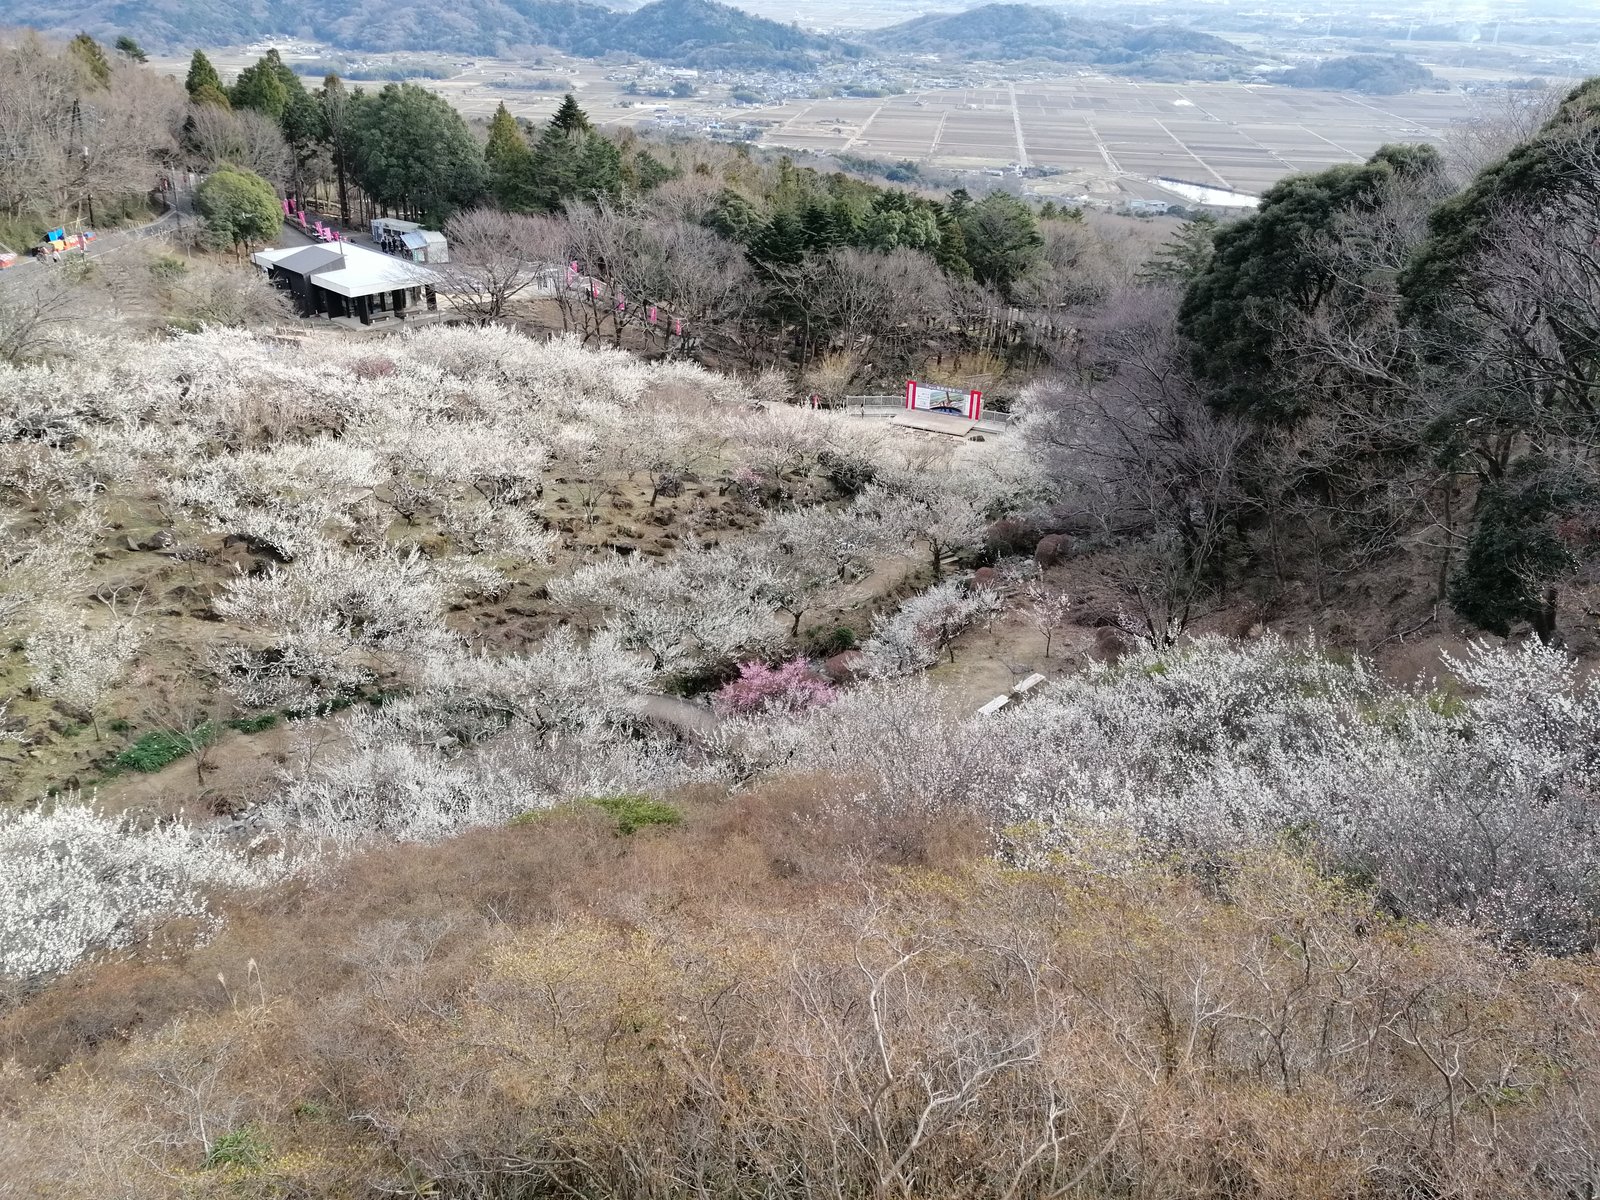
(1370, 74)
(526, 754)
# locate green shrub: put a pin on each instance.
(632, 812)
(697, 681)
(163, 746)
(254, 724)
(167, 268)
(1516, 552)
(825, 643)
(242, 1147)
(849, 472)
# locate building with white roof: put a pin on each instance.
(337, 279)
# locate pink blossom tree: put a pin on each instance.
(793, 686)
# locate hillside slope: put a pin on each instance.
(685, 31)
(1005, 32)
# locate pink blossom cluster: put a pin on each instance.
(793, 686)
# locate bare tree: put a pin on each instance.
(879, 307)
(38, 93)
(244, 139)
(1045, 608)
(1139, 454)
(38, 312)
(1502, 119)
(496, 256)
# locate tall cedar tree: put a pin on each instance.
(334, 100)
(263, 86)
(414, 153)
(510, 162)
(569, 117)
(202, 76)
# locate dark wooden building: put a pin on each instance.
(338, 279)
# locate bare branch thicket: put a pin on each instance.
(40, 313)
(1502, 120)
(1141, 458)
(495, 257)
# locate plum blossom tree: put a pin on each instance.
(788, 687)
(73, 882)
(1045, 609)
(916, 634)
(328, 624)
(77, 662)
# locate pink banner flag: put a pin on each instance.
(622, 304)
(594, 289)
(677, 326)
(302, 217)
(652, 314)
(572, 273)
(286, 207)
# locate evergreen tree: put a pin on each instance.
(91, 56)
(951, 250)
(202, 75)
(305, 128)
(569, 118)
(599, 168)
(821, 230)
(1516, 556)
(1270, 263)
(1184, 256)
(1458, 227)
(1002, 239)
(238, 207)
(645, 172)
(782, 242)
(131, 50)
(261, 87)
(212, 95)
(555, 169)
(337, 122)
(735, 218)
(509, 160)
(413, 152)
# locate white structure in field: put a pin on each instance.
(950, 401)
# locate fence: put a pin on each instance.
(881, 406)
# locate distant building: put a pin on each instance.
(337, 279)
(410, 240)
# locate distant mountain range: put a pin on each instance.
(1009, 32)
(687, 32)
(694, 33)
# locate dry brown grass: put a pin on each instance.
(783, 997)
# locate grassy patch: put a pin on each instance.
(254, 724)
(242, 1147)
(633, 812)
(161, 747)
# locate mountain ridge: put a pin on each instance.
(688, 32)
(1007, 32)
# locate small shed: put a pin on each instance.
(425, 246)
